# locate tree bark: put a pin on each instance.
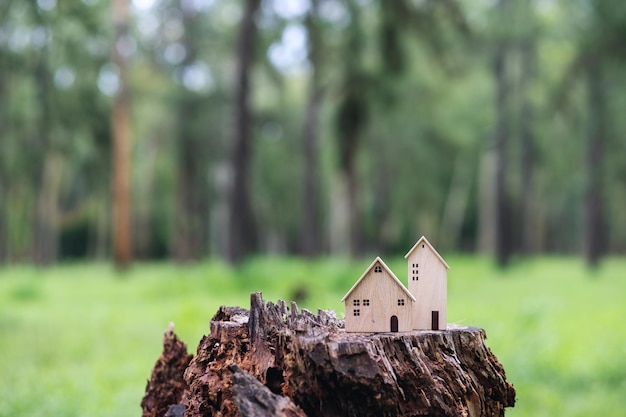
(242, 227)
(310, 239)
(314, 368)
(503, 238)
(594, 194)
(122, 237)
(166, 385)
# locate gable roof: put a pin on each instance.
(393, 276)
(425, 241)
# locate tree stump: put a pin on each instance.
(275, 361)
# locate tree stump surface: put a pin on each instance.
(277, 361)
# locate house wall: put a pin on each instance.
(383, 294)
(428, 284)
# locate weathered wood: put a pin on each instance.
(326, 371)
(254, 399)
(166, 385)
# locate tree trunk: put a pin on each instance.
(190, 241)
(527, 121)
(45, 229)
(4, 125)
(594, 194)
(310, 239)
(503, 238)
(314, 368)
(486, 203)
(456, 203)
(242, 227)
(192, 213)
(3, 228)
(122, 237)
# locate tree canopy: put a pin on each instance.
(313, 127)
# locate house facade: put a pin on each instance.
(379, 302)
(428, 282)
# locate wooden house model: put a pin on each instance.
(379, 302)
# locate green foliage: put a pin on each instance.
(81, 339)
(407, 98)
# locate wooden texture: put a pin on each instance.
(373, 301)
(311, 362)
(166, 385)
(254, 399)
(428, 276)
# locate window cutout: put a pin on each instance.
(357, 312)
(401, 301)
(378, 268)
(366, 303)
(356, 303)
(422, 245)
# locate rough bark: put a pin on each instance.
(242, 227)
(310, 361)
(122, 238)
(166, 385)
(254, 399)
(594, 203)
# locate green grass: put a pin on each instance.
(80, 340)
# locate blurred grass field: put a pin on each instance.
(81, 339)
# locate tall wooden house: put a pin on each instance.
(379, 302)
(428, 282)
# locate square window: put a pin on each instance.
(366, 303)
(357, 312)
(401, 301)
(356, 303)
(378, 268)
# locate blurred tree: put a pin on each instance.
(46, 163)
(192, 211)
(122, 238)
(594, 225)
(242, 236)
(527, 126)
(310, 236)
(502, 133)
(350, 120)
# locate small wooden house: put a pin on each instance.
(378, 302)
(428, 282)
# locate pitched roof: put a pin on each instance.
(424, 240)
(393, 276)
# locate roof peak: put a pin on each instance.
(423, 240)
(379, 260)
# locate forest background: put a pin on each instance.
(217, 130)
(189, 129)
